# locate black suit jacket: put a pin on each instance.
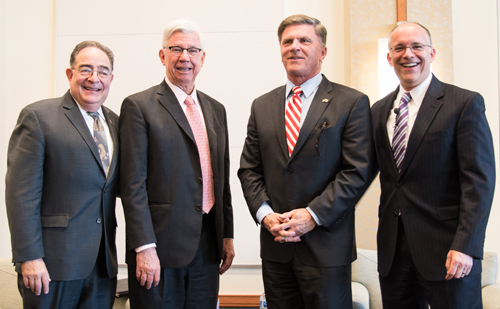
(161, 183)
(445, 188)
(57, 195)
(330, 182)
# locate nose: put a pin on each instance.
(94, 76)
(184, 55)
(408, 52)
(295, 45)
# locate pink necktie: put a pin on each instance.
(292, 119)
(200, 136)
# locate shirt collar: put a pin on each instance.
(84, 112)
(180, 94)
(308, 86)
(417, 93)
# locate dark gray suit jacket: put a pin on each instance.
(445, 188)
(160, 181)
(59, 202)
(330, 181)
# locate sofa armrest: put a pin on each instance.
(360, 296)
(491, 297)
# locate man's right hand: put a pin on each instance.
(272, 220)
(148, 268)
(35, 276)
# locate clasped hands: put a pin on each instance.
(289, 226)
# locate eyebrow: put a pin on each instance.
(90, 66)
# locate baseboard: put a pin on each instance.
(251, 301)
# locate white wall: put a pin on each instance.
(26, 74)
(476, 67)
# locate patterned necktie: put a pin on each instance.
(200, 136)
(399, 137)
(292, 119)
(100, 140)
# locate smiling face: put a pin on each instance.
(411, 68)
(301, 52)
(182, 69)
(91, 91)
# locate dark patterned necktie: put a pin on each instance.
(399, 137)
(100, 140)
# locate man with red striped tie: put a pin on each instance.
(303, 168)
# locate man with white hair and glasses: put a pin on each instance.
(174, 183)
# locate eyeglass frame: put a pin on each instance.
(411, 46)
(198, 50)
(99, 71)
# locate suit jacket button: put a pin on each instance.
(99, 220)
(399, 184)
(198, 207)
(289, 171)
(200, 180)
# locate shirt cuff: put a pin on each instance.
(142, 248)
(318, 221)
(263, 211)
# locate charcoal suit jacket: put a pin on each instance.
(60, 204)
(446, 184)
(161, 183)
(327, 171)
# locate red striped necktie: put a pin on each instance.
(292, 119)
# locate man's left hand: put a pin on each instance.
(227, 255)
(300, 222)
(458, 265)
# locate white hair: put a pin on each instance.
(184, 26)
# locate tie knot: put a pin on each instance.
(189, 100)
(405, 98)
(93, 114)
(297, 90)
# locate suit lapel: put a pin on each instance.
(114, 136)
(75, 117)
(322, 98)
(426, 114)
(278, 111)
(385, 112)
(168, 100)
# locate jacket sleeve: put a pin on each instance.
(477, 177)
(23, 190)
(133, 175)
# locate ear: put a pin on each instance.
(161, 54)
(323, 53)
(69, 74)
(389, 59)
(433, 54)
(202, 58)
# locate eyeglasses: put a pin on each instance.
(414, 47)
(177, 50)
(88, 71)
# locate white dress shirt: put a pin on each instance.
(417, 96)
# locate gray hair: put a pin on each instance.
(78, 48)
(300, 19)
(184, 26)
